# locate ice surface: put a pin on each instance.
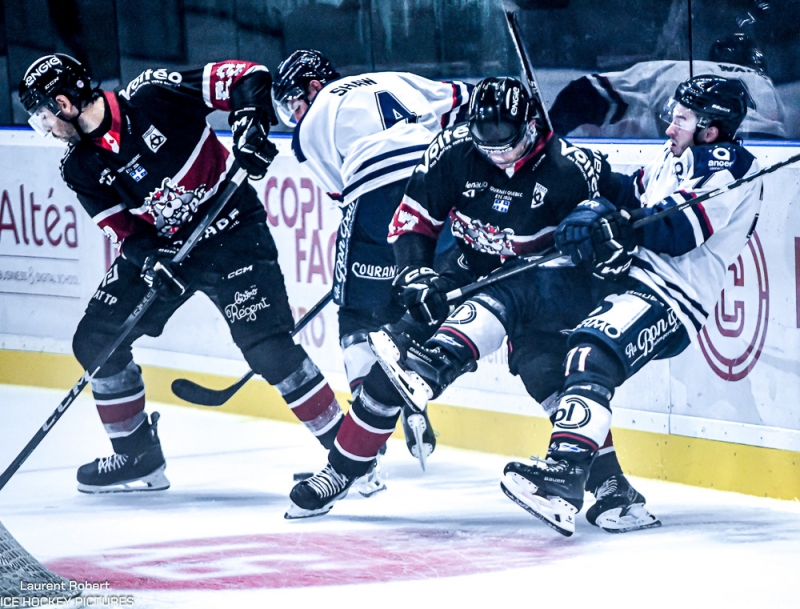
(448, 537)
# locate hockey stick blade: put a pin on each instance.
(239, 175)
(502, 273)
(191, 392)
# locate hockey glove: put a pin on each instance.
(154, 257)
(424, 293)
(613, 242)
(251, 146)
(573, 235)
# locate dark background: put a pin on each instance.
(437, 38)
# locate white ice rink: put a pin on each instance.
(445, 538)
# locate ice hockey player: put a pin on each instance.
(627, 103)
(666, 276)
(360, 137)
(146, 166)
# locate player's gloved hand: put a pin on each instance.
(153, 256)
(251, 146)
(424, 293)
(573, 235)
(613, 241)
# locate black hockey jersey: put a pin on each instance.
(495, 215)
(154, 160)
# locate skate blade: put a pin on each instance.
(636, 517)
(295, 512)
(411, 387)
(369, 489)
(416, 422)
(554, 511)
(155, 481)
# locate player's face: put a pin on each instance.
(298, 107)
(46, 123)
(681, 130)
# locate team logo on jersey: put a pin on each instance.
(106, 177)
(111, 276)
(171, 206)
(136, 171)
(485, 238)
(154, 138)
(501, 205)
(539, 192)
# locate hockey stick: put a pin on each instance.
(539, 261)
(235, 181)
(193, 393)
(525, 61)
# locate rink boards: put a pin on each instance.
(724, 414)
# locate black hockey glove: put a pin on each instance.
(424, 293)
(573, 235)
(613, 241)
(251, 146)
(154, 257)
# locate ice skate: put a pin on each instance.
(316, 495)
(419, 373)
(550, 490)
(419, 434)
(139, 470)
(620, 508)
(372, 482)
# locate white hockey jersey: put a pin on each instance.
(635, 97)
(685, 257)
(366, 131)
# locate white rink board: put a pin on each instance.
(741, 386)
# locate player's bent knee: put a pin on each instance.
(592, 362)
(275, 357)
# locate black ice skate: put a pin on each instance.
(316, 495)
(550, 490)
(419, 433)
(139, 470)
(418, 373)
(620, 508)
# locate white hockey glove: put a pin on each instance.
(424, 293)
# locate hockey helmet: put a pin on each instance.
(501, 117)
(738, 49)
(49, 76)
(294, 74)
(716, 101)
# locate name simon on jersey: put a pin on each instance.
(442, 142)
(148, 76)
(342, 89)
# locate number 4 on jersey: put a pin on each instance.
(392, 111)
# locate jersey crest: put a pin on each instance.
(171, 206)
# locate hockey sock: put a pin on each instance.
(120, 402)
(358, 357)
(312, 401)
(369, 423)
(604, 465)
(472, 331)
(581, 423)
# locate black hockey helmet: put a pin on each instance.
(295, 73)
(499, 112)
(738, 49)
(717, 101)
(53, 75)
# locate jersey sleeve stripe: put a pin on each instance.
(703, 220)
(390, 154)
(411, 217)
(207, 84)
(378, 173)
(107, 213)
